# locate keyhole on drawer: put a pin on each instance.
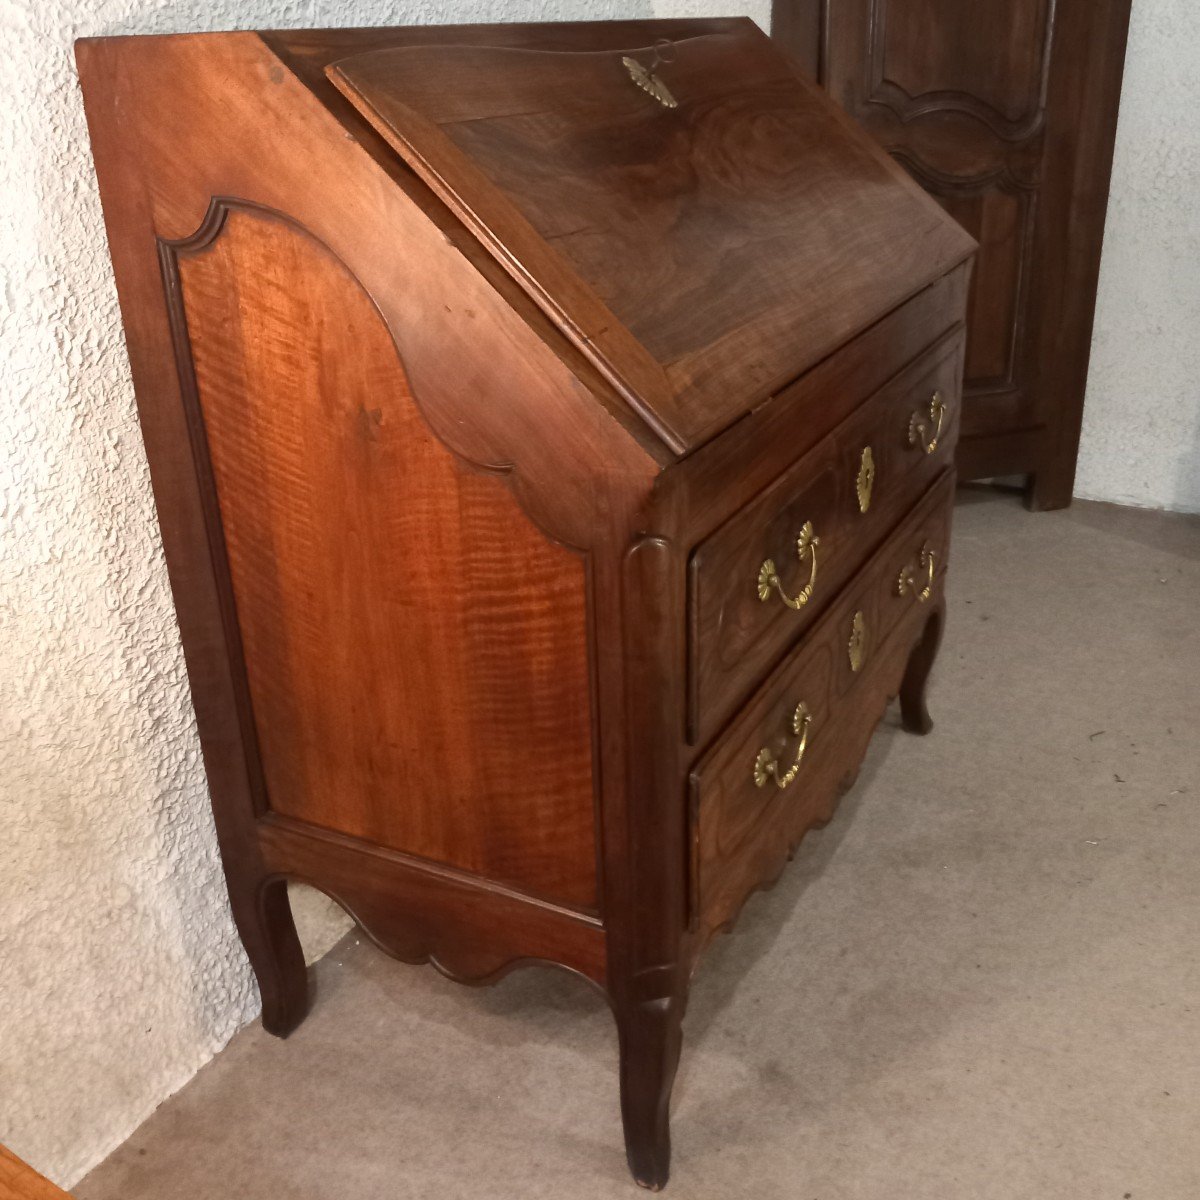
(858, 642)
(866, 479)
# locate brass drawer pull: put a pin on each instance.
(866, 479)
(766, 765)
(768, 577)
(908, 582)
(919, 432)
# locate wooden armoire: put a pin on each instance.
(552, 434)
(1006, 112)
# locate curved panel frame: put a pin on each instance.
(339, 493)
(883, 90)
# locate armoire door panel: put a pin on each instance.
(1005, 111)
(956, 94)
(999, 221)
(999, 213)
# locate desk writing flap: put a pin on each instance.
(700, 220)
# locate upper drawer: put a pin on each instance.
(760, 579)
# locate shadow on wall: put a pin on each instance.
(1187, 482)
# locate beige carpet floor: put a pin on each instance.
(980, 982)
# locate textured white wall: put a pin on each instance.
(1141, 428)
(120, 971)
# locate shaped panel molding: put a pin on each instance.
(344, 553)
(997, 73)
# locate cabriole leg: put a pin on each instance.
(1050, 488)
(914, 713)
(264, 920)
(650, 1036)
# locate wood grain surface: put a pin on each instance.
(357, 544)
(676, 244)
(743, 833)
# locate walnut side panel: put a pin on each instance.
(415, 650)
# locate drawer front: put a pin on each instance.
(781, 766)
(761, 579)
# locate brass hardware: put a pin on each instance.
(646, 79)
(768, 577)
(908, 582)
(766, 765)
(858, 642)
(866, 479)
(918, 431)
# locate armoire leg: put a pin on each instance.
(264, 920)
(650, 1036)
(913, 711)
(1050, 488)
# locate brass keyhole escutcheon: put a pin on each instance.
(768, 576)
(857, 648)
(766, 765)
(646, 78)
(866, 479)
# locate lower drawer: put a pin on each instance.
(798, 743)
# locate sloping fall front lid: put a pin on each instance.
(703, 222)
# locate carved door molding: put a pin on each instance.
(1027, 94)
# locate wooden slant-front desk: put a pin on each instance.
(551, 429)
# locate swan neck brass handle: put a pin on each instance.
(910, 584)
(926, 436)
(766, 765)
(768, 576)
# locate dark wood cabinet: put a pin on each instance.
(1006, 112)
(552, 437)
